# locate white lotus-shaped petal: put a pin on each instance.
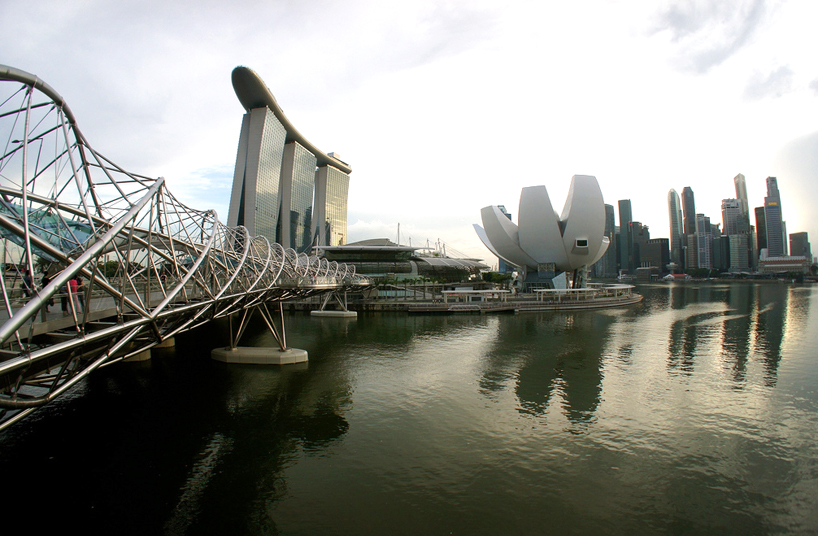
(570, 241)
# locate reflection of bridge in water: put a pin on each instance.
(151, 267)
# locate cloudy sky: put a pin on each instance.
(442, 108)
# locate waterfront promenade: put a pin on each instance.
(435, 299)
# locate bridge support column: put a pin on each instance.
(259, 356)
(343, 313)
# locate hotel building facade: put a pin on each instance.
(284, 188)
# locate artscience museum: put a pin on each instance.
(550, 250)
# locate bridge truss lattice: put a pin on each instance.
(150, 266)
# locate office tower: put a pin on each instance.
(618, 243)
(655, 252)
(691, 251)
(610, 232)
(277, 192)
(784, 241)
(800, 246)
(689, 211)
(704, 241)
(732, 216)
(739, 246)
(689, 228)
(606, 266)
(761, 229)
(720, 252)
(640, 234)
(741, 195)
(774, 220)
(674, 208)
(625, 236)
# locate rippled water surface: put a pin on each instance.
(695, 412)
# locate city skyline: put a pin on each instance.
(645, 97)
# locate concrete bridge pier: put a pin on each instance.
(170, 342)
(255, 355)
(344, 312)
(259, 356)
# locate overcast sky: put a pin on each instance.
(442, 108)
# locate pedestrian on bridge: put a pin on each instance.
(45, 281)
(81, 288)
(73, 285)
(28, 285)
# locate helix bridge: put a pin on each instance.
(129, 266)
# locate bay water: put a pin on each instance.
(694, 412)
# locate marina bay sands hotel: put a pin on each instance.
(284, 188)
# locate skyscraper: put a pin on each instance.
(774, 220)
(277, 191)
(626, 236)
(731, 215)
(606, 266)
(800, 246)
(640, 234)
(761, 229)
(255, 202)
(297, 183)
(330, 214)
(704, 241)
(739, 261)
(741, 195)
(689, 220)
(689, 209)
(674, 208)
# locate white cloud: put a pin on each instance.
(775, 84)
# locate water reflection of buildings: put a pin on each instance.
(269, 415)
(550, 355)
(746, 323)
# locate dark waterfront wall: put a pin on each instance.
(695, 412)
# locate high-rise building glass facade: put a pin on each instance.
(741, 195)
(255, 200)
(626, 236)
(774, 220)
(800, 246)
(689, 228)
(674, 209)
(609, 259)
(761, 229)
(277, 192)
(739, 245)
(704, 241)
(731, 216)
(689, 210)
(297, 182)
(330, 213)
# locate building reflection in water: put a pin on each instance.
(269, 415)
(739, 322)
(549, 355)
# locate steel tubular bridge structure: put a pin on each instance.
(151, 266)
